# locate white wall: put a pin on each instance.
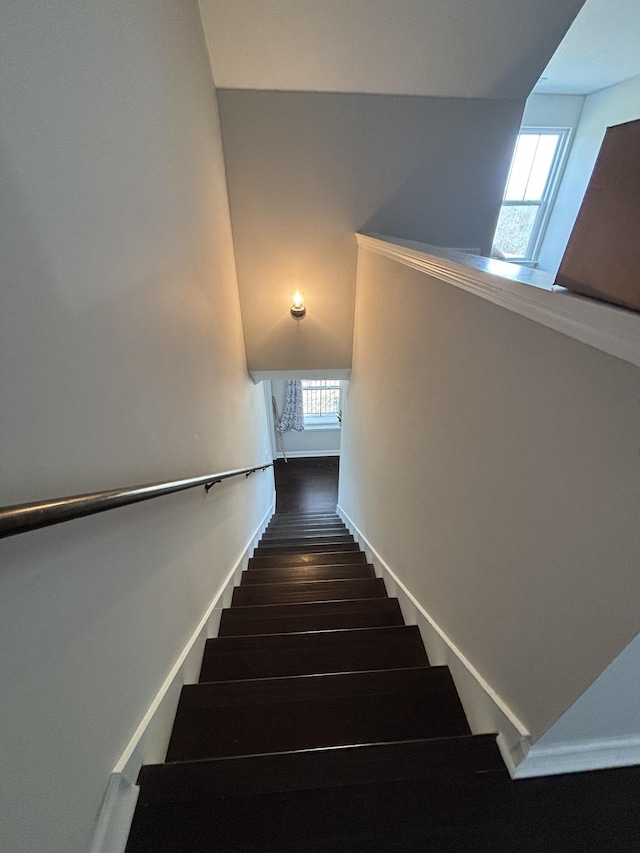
(499, 480)
(309, 442)
(121, 361)
(552, 111)
(603, 109)
(308, 169)
(608, 709)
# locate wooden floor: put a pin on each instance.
(318, 725)
(307, 484)
(582, 813)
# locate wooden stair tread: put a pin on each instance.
(284, 714)
(305, 535)
(276, 655)
(292, 574)
(305, 519)
(443, 815)
(418, 679)
(266, 550)
(304, 513)
(324, 539)
(306, 524)
(293, 593)
(304, 559)
(320, 768)
(311, 616)
(277, 521)
(477, 815)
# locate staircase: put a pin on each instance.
(318, 723)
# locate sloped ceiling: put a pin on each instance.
(443, 48)
(602, 48)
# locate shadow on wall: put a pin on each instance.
(430, 206)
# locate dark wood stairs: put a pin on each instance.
(318, 723)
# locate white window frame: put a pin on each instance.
(328, 421)
(545, 205)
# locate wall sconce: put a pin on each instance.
(298, 309)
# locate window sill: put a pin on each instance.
(521, 262)
(321, 426)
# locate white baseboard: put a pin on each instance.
(301, 454)
(149, 743)
(116, 814)
(486, 711)
(579, 757)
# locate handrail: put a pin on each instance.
(22, 518)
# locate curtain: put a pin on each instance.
(292, 416)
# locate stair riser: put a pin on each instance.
(278, 656)
(306, 573)
(288, 522)
(323, 616)
(271, 550)
(306, 522)
(320, 517)
(313, 513)
(304, 533)
(326, 558)
(302, 520)
(297, 771)
(444, 815)
(303, 540)
(420, 680)
(277, 726)
(298, 593)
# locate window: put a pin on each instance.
(533, 177)
(322, 403)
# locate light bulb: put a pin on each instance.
(298, 309)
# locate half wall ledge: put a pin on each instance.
(522, 290)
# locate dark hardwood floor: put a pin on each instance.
(581, 813)
(307, 484)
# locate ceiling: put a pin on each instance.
(445, 48)
(601, 48)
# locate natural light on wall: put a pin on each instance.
(530, 188)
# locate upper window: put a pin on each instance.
(322, 402)
(530, 189)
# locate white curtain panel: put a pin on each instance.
(293, 414)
